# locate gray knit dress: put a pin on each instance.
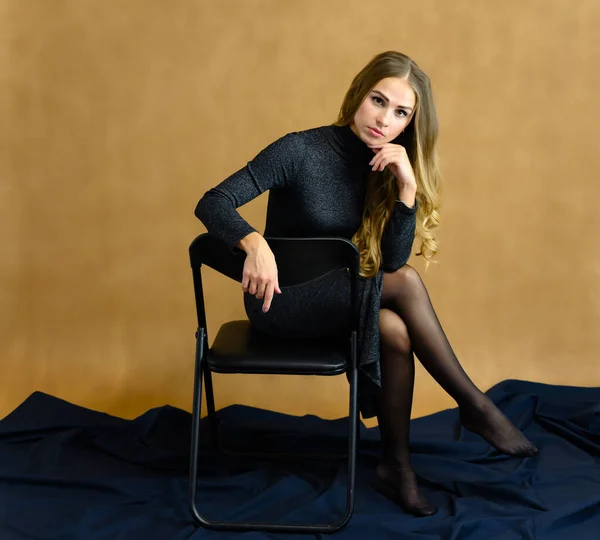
(317, 184)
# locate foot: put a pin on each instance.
(400, 485)
(489, 422)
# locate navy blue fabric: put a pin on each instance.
(72, 473)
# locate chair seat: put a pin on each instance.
(238, 348)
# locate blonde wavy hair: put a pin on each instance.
(419, 139)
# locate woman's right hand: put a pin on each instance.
(259, 277)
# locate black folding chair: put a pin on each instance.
(238, 348)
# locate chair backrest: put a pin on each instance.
(298, 260)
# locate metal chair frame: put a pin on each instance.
(298, 260)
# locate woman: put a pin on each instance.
(371, 177)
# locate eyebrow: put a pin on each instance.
(388, 100)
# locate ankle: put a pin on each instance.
(396, 463)
(475, 404)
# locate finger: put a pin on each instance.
(377, 151)
(252, 287)
(374, 160)
(245, 281)
(377, 163)
(261, 291)
(277, 289)
(381, 154)
(268, 297)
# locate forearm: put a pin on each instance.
(398, 236)
(250, 243)
(221, 219)
(407, 195)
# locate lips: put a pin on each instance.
(376, 131)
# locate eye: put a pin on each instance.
(377, 100)
(401, 112)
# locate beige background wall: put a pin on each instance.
(118, 116)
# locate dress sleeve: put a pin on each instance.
(398, 237)
(273, 167)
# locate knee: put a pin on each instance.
(404, 283)
(407, 276)
(393, 332)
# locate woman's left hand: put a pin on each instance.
(394, 157)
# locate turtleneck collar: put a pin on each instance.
(348, 145)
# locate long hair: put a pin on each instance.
(419, 139)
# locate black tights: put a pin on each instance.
(408, 324)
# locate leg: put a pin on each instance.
(397, 379)
(404, 292)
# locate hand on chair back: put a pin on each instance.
(259, 276)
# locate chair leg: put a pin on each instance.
(210, 405)
(353, 431)
(196, 411)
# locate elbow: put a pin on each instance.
(210, 204)
(395, 261)
(200, 210)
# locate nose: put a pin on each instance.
(383, 118)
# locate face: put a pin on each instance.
(385, 112)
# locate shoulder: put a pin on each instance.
(305, 139)
(313, 137)
(297, 145)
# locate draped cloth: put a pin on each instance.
(72, 473)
